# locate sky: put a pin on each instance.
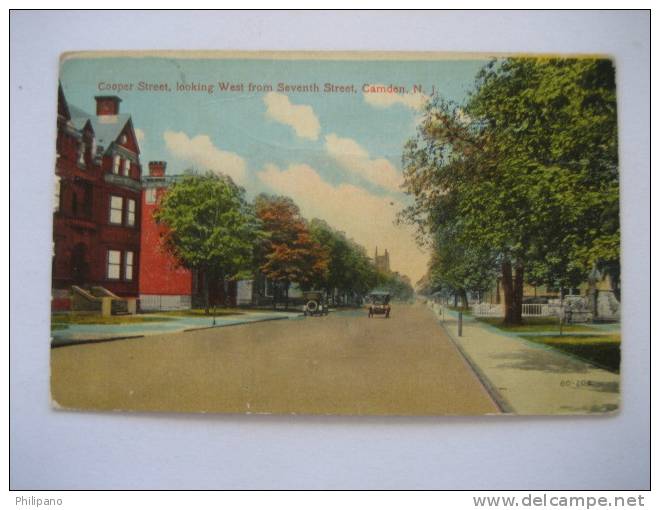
(337, 154)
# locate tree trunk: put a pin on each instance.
(205, 276)
(225, 291)
(464, 298)
(286, 294)
(518, 290)
(507, 289)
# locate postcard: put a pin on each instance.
(336, 233)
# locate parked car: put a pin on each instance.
(380, 304)
(314, 303)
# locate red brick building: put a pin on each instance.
(96, 218)
(163, 284)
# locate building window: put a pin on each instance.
(128, 266)
(81, 153)
(114, 264)
(150, 197)
(116, 162)
(130, 210)
(116, 209)
(127, 167)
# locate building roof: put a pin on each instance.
(107, 128)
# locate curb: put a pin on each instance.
(67, 343)
(237, 324)
(55, 344)
(502, 404)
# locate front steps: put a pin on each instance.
(101, 300)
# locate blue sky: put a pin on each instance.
(319, 148)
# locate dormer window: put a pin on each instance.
(81, 153)
(116, 162)
(127, 167)
(123, 139)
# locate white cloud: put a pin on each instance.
(367, 218)
(355, 158)
(384, 98)
(139, 134)
(300, 117)
(203, 154)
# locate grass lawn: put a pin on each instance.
(533, 324)
(60, 321)
(602, 350)
(466, 311)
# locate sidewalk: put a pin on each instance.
(89, 333)
(526, 378)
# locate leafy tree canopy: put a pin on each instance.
(208, 224)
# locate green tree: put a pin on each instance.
(397, 285)
(209, 227)
(350, 272)
(457, 270)
(526, 170)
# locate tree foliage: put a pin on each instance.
(350, 271)
(523, 176)
(288, 253)
(209, 226)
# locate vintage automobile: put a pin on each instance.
(380, 304)
(314, 303)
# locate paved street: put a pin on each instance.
(341, 364)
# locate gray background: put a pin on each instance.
(51, 449)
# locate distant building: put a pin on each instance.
(96, 216)
(382, 262)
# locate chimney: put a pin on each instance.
(157, 168)
(107, 105)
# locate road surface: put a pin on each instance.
(344, 363)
